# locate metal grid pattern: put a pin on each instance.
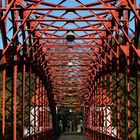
(97, 73)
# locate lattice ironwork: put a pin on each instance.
(97, 73)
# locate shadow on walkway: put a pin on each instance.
(71, 136)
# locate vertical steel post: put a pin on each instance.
(3, 101)
(15, 103)
(23, 97)
(128, 99)
(29, 99)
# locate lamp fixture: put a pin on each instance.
(70, 36)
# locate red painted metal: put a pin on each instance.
(97, 73)
(3, 101)
(15, 103)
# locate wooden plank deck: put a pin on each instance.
(72, 136)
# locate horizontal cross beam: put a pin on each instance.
(69, 9)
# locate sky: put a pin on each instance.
(68, 3)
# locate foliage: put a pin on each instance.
(9, 104)
(66, 116)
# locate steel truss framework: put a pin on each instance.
(97, 73)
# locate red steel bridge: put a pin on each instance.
(76, 55)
